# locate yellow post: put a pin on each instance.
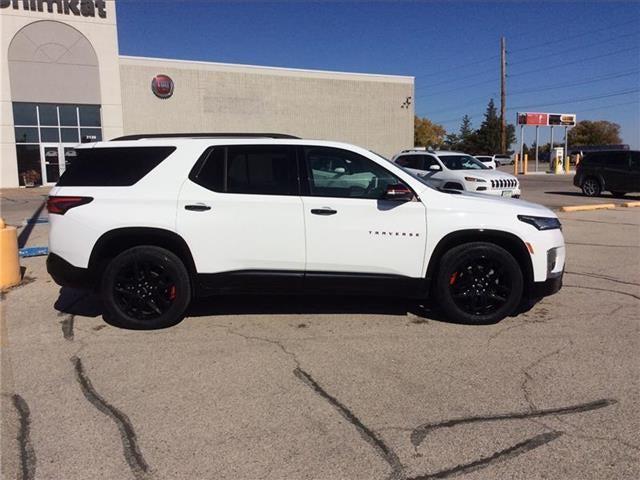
(525, 163)
(9, 260)
(567, 163)
(516, 157)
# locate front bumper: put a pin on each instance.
(67, 275)
(552, 285)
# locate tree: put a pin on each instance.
(486, 140)
(599, 132)
(426, 133)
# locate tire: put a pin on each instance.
(478, 283)
(618, 194)
(145, 287)
(591, 187)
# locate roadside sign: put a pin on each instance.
(546, 119)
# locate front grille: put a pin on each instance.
(504, 183)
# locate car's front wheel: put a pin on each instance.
(145, 287)
(478, 283)
(591, 187)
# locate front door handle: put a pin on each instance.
(199, 207)
(323, 211)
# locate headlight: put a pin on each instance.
(474, 179)
(541, 223)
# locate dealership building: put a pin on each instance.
(63, 82)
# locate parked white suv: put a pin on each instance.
(457, 171)
(153, 222)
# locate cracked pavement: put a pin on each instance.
(318, 388)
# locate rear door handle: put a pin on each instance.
(323, 211)
(198, 207)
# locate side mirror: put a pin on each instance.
(398, 193)
(435, 168)
(339, 170)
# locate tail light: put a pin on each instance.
(60, 205)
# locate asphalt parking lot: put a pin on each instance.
(317, 388)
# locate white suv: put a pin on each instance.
(457, 171)
(153, 222)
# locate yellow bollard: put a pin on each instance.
(516, 157)
(567, 163)
(9, 260)
(525, 163)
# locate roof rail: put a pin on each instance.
(203, 135)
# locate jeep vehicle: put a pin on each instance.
(152, 222)
(616, 171)
(457, 171)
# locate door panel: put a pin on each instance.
(349, 227)
(51, 163)
(244, 231)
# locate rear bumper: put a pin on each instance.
(67, 275)
(548, 287)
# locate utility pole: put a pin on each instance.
(503, 95)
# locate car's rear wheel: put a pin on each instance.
(478, 283)
(145, 287)
(591, 187)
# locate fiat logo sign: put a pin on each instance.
(162, 86)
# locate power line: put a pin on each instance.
(606, 107)
(565, 64)
(480, 100)
(584, 34)
(461, 87)
(444, 82)
(576, 100)
(581, 47)
(456, 67)
(573, 84)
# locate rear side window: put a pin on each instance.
(616, 159)
(252, 169)
(411, 161)
(112, 167)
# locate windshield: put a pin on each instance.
(462, 162)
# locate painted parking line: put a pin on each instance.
(33, 251)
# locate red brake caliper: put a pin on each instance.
(453, 278)
(172, 292)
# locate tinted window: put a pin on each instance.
(48, 114)
(112, 167)
(25, 114)
(616, 159)
(635, 160)
(411, 161)
(254, 169)
(340, 173)
(462, 162)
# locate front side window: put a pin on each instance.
(252, 169)
(462, 162)
(334, 172)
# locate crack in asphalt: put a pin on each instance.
(501, 456)
(367, 434)
(602, 277)
(528, 377)
(132, 453)
(420, 433)
(603, 290)
(27, 452)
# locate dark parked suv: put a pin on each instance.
(616, 171)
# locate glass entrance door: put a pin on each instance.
(55, 157)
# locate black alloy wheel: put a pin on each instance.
(479, 283)
(146, 287)
(591, 187)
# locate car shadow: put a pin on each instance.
(86, 304)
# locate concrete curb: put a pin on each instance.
(586, 208)
(631, 204)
